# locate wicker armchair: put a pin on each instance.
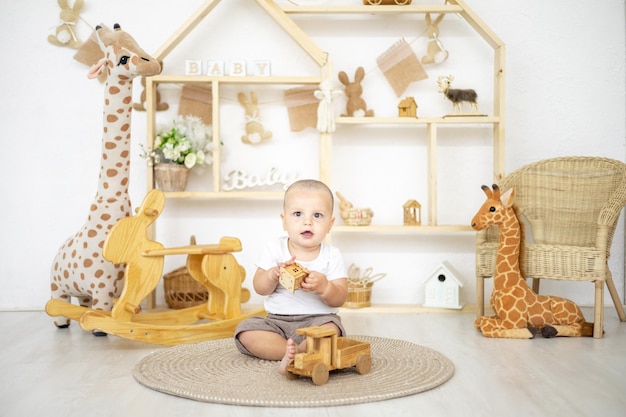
(570, 206)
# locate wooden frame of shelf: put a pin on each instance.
(431, 132)
(496, 121)
(280, 14)
(215, 83)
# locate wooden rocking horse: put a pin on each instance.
(213, 266)
(519, 311)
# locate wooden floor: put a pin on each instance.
(49, 372)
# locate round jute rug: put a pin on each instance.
(215, 371)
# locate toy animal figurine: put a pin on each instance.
(519, 311)
(255, 132)
(435, 52)
(79, 269)
(456, 96)
(65, 34)
(355, 106)
(142, 99)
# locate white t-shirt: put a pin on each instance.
(281, 301)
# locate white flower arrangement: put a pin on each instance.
(186, 141)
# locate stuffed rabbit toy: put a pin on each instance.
(355, 106)
(255, 132)
(435, 53)
(66, 32)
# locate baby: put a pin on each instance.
(307, 218)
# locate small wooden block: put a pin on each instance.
(291, 276)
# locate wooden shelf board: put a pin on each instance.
(226, 195)
(419, 120)
(371, 9)
(401, 229)
(225, 79)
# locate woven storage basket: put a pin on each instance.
(358, 217)
(359, 295)
(182, 290)
(386, 2)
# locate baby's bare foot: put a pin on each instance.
(290, 353)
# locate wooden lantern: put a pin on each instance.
(412, 213)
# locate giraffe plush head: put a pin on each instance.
(491, 212)
(120, 55)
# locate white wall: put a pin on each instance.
(565, 94)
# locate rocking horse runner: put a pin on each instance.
(519, 311)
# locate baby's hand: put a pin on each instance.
(315, 282)
(276, 271)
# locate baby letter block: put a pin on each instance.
(215, 68)
(261, 68)
(238, 68)
(291, 276)
(193, 67)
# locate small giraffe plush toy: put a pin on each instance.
(519, 311)
(79, 269)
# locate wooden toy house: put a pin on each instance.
(291, 276)
(407, 107)
(412, 213)
(442, 288)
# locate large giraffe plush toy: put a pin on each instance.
(519, 311)
(79, 270)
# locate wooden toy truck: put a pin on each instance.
(325, 351)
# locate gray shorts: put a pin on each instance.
(285, 325)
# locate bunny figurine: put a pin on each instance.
(66, 32)
(355, 106)
(255, 132)
(435, 52)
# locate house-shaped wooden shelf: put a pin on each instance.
(281, 14)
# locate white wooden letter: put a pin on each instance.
(215, 68)
(193, 67)
(261, 68)
(238, 68)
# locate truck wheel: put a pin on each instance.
(363, 364)
(320, 374)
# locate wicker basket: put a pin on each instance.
(182, 290)
(386, 2)
(358, 217)
(359, 296)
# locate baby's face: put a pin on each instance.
(308, 217)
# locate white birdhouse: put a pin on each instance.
(443, 288)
